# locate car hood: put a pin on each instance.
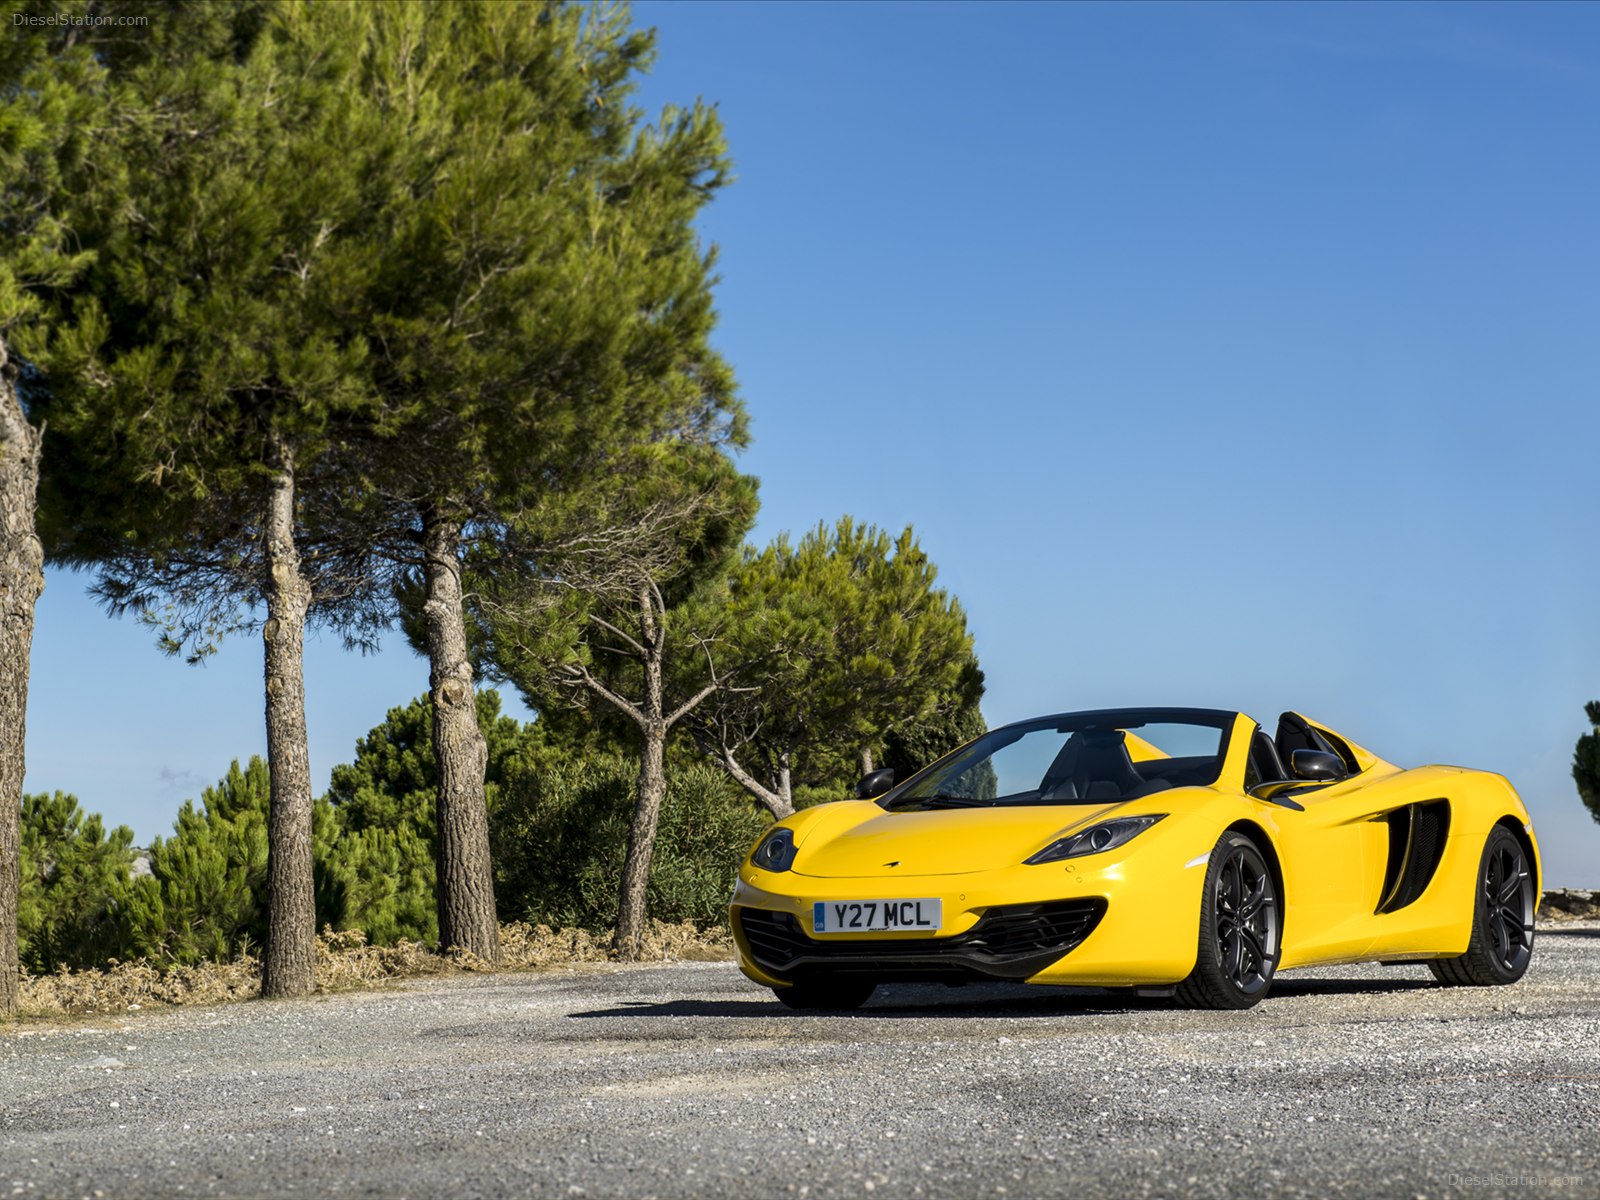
(938, 842)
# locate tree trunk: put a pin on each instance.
(779, 804)
(21, 581)
(785, 781)
(633, 905)
(633, 909)
(289, 966)
(866, 760)
(466, 876)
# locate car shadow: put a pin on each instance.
(1285, 989)
(905, 1000)
(925, 1002)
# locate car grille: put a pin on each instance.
(1010, 941)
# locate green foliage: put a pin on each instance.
(1586, 762)
(52, 103)
(429, 253)
(868, 648)
(206, 894)
(560, 836)
(533, 290)
(381, 881)
(381, 878)
(557, 605)
(954, 721)
(73, 905)
(192, 360)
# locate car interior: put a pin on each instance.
(1271, 758)
(1094, 764)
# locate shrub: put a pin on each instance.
(560, 836)
(206, 894)
(72, 908)
(381, 876)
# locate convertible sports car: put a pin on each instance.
(1180, 851)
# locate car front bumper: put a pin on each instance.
(1047, 924)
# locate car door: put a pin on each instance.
(1333, 855)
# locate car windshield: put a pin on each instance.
(1078, 758)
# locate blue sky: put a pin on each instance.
(1242, 356)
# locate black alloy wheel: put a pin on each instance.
(1240, 923)
(1502, 919)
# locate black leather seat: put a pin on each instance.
(1094, 765)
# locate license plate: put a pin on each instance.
(874, 916)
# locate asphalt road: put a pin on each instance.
(686, 1081)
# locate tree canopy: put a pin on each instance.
(868, 648)
(611, 596)
(368, 281)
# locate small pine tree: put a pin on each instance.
(74, 894)
(871, 647)
(381, 877)
(1586, 762)
(205, 896)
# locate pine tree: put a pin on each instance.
(51, 105)
(192, 380)
(73, 905)
(605, 602)
(203, 898)
(539, 300)
(1586, 762)
(871, 649)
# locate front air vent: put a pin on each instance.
(1417, 834)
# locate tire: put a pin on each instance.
(1240, 923)
(826, 995)
(1501, 945)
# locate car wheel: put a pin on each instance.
(1239, 928)
(1502, 919)
(826, 995)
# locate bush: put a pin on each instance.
(206, 895)
(560, 836)
(560, 811)
(72, 908)
(381, 876)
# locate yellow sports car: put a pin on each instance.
(1179, 851)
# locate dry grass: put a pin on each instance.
(344, 961)
(1570, 904)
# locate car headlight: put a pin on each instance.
(1107, 835)
(775, 852)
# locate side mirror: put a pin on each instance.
(1316, 764)
(875, 783)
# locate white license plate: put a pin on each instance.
(874, 916)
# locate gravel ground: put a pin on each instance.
(685, 1080)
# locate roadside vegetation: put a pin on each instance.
(374, 317)
(344, 961)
